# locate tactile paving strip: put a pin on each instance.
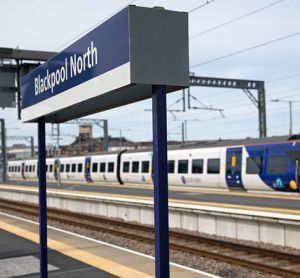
(18, 266)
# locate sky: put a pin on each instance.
(53, 25)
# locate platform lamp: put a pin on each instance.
(291, 111)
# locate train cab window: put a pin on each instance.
(276, 165)
(213, 166)
(67, 168)
(102, 167)
(126, 167)
(95, 167)
(197, 166)
(254, 165)
(51, 168)
(79, 170)
(135, 167)
(145, 166)
(183, 166)
(62, 168)
(111, 166)
(73, 169)
(171, 166)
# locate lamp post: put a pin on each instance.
(290, 102)
(120, 134)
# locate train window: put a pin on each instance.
(126, 167)
(79, 168)
(111, 166)
(95, 167)
(51, 168)
(19, 169)
(33, 168)
(171, 166)
(102, 167)
(30, 168)
(135, 167)
(62, 168)
(67, 168)
(213, 166)
(254, 165)
(197, 166)
(73, 169)
(26, 168)
(294, 156)
(183, 166)
(145, 166)
(276, 165)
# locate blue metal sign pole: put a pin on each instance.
(42, 199)
(160, 164)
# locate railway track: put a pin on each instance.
(275, 262)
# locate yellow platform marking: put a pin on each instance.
(186, 202)
(83, 256)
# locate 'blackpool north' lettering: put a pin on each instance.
(73, 66)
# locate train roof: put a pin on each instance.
(211, 144)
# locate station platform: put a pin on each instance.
(71, 255)
(256, 201)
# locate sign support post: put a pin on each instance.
(160, 165)
(3, 151)
(42, 199)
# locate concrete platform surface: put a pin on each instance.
(71, 255)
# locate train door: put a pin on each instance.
(87, 169)
(23, 170)
(56, 169)
(234, 167)
(294, 157)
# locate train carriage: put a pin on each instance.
(261, 165)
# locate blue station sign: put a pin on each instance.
(115, 64)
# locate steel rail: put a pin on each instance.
(271, 261)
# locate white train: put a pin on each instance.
(268, 165)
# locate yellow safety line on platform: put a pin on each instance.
(186, 202)
(83, 256)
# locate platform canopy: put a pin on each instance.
(115, 64)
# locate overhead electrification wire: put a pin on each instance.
(246, 49)
(236, 19)
(201, 6)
